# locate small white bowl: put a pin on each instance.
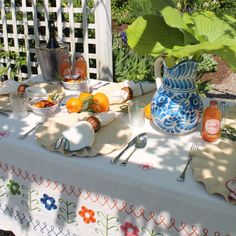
(42, 111)
(76, 85)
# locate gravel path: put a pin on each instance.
(226, 89)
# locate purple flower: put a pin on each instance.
(124, 38)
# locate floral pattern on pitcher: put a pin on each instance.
(176, 106)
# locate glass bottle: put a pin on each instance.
(52, 42)
(65, 67)
(81, 68)
(211, 122)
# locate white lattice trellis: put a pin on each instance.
(84, 24)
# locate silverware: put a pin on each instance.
(131, 143)
(23, 136)
(140, 142)
(191, 154)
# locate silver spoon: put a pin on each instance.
(139, 143)
(23, 136)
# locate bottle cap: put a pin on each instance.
(213, 102)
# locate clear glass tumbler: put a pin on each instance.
(136, 114)
(19, 102)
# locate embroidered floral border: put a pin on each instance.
(89, 216)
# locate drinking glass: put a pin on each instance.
(19, 102)
(136, 114)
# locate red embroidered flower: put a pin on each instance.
(129, 229)
(4, 134)
(87, 214)
(146, 166)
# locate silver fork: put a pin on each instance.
(23, 136)
(191, 154)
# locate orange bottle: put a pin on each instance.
(65, 66)
(211, 122)
(81, 68)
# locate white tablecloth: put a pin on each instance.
(45, 193)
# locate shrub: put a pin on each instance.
(128, 65)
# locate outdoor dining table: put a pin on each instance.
(46, 193)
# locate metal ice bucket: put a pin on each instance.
(50, 60)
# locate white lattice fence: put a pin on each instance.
(84, 24)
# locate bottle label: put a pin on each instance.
(212, 126)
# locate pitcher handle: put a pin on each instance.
(157, 70)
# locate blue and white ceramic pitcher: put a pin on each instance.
(176, 106)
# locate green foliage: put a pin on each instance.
(228, 132)
(203, 87)
(13, 63)
(121, 12)
(128, 65)
(182, 36)
(141, 7)
(220, 7)
(206, 64)
(126, 11)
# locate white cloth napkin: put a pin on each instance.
(116, 95)
(80, 135)
(9, 86)
(139, 88)
(105, 117)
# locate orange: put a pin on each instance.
(102, 101)
(147, 111)
(84, 95)
(95, 108)
(74, 105)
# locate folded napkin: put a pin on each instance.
(109, 138)
(139, 88)
(104, 117)
(116, 95)
(79, 136)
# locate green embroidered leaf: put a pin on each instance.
(106, 224)
(67, 210)
(30, 198)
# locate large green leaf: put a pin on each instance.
(206, 26)
(151, 34)
(171, 15)
(174, 18)
(228, 53)
(173, 35)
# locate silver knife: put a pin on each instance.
(130, 143)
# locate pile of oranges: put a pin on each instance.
(86, 101)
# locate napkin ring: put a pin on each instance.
(66, 145)
(62, 141)
(231, 186)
